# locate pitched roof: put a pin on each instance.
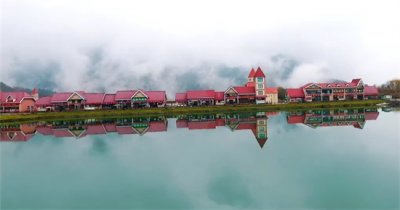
(219, 95)
(200, 94)
(242, 90)
(124, 94)
(156, 96)
(295, 93)
(194, 125)
(60, 97)
(18, 96)
(44, 101)
(371, 115)
(353, 83)
(251, 74)
(259, 73)
(371, 91)
(95, 129)
(109, 99)
(294, 119)
(180, 97)
(157, 126)
(94, 98)
(271, 90)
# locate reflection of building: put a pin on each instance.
(257, 123)
(79, 129)
(339, 117)
(21, 132)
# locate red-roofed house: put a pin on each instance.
(44, 104)
(200, 97)
(371, 92)
(16, 102)
(295, 94)
(334, 91)
(181, 99)
(140, 98)
(93, 100)
(219, 98)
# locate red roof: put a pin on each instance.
(109, 99)
(16, 96)
(295, 93)
(200, 94)
(250, 84)
(94, 98)
(252, 73)
(156, 96)
(124, 95)
(44, 101)
(353, 83)
(180, 97)
(241, 90)
(271, 90)
(219, 96)
(371, 91)
(60, 97)
(110, 127)
(259, 73)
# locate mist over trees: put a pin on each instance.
(391, 87)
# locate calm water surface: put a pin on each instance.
(336, 159)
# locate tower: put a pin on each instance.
(35, 93)
(259, 77)
(250, 78)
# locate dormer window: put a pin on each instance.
(10, 99)
(347, 85)
(329, 85)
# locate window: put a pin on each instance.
(260, 92)
(260, 79)
(260, 86)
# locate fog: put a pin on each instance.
(179, 45)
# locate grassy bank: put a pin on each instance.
(170, 111)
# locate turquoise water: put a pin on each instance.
(342, 159)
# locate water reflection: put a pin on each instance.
(257, 123)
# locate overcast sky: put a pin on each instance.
(178, 45)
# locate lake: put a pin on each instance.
(331, 159)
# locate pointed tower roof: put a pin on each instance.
(259, 73)
(252, 73)
(35, 90)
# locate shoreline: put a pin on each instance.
(23, 117)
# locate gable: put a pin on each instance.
(231, 90)
(75, 96)
(139, 94)
(313, 86)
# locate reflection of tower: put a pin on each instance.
(260, 132)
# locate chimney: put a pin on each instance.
(35, 93)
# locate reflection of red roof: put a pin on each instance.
(200, 94)
(95, 129)
(156, 96)
(45, 130)
(157, 126)
(180, 97)
(246, 126)
(241, 90)
(293, 119)
(272, 113)
(60, 97)
(17, 96)
(371, 115)
(251, 74)
(125, 130)
(181, 123)
(271, 90)
(109, 99)
(295, 93)
(220, 122)
(259, 73)
(201, 125)
(44, 101)
(110, 127)
(371, 91)
(94, 98)
(14, 136)
(124, 94)
(219, 96)
(62, 133)
(261, 141)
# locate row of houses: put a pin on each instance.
(254, 91)
(335, 91)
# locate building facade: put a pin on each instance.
(18, 101)
(337, 91)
